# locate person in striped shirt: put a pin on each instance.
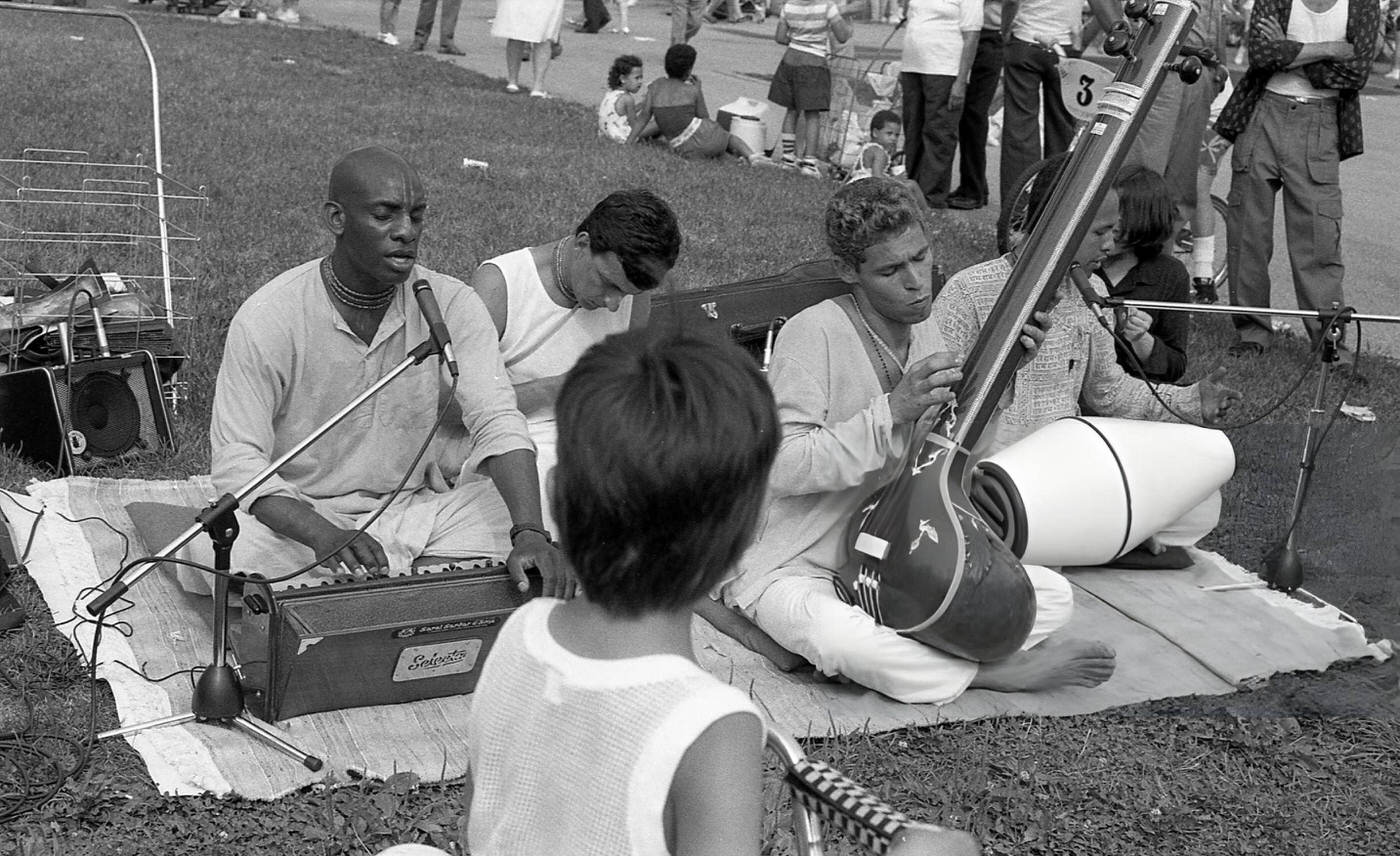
(802, 82)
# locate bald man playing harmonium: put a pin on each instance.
(307, 343)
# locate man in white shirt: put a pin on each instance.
(305, 344)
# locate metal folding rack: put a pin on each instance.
(125, 230)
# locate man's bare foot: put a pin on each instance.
(1056, 662)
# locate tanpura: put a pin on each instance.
(923, 560)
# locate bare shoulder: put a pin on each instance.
(716, 795)
(489, 283)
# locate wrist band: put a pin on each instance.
(529, 527)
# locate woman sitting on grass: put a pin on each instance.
(618, 109)
(1136, 268)
(677, 103)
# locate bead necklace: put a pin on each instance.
(354, 299)
(564, 287)
(881, 348)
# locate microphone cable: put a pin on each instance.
(38, 771)
(1140, 373)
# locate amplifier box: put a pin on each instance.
(361, 643)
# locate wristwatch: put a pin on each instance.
(529, 527)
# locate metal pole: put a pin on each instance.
(168, 290)
(1343, 315)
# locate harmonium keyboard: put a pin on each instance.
(403, 637)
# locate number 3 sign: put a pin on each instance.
(1081, 84)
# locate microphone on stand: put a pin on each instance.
(437, 328)
(1095, 301)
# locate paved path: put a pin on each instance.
(737, 60)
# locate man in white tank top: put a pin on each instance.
(1295, 116)
(551, 302)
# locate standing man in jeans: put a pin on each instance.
(1038, 33)
(1295, 116)
(972, 191)
(685, 19)
(427, 10)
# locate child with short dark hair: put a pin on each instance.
(1135, 267)
(593, 730)
(874, 157)
(802, 82)
(619, 107)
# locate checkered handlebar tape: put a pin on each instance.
(821, 788)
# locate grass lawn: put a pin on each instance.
(257, 114)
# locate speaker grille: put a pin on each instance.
(113, 407)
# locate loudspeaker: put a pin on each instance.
(73, 416)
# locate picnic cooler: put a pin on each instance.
(748, 118)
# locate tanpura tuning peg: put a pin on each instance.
(1189, 69)
(1118, 39)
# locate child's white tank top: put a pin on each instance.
(576, 755)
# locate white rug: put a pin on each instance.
(1172, 639)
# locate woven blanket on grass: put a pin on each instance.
(1172, 639)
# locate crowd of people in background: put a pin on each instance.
(957, 56)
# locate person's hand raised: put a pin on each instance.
(1135, 324)
(1269, 28)
(926, 384)
(1216, 398)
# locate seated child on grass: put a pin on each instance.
(619, 107)
(593, 730)
(875, 156)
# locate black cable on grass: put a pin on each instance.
(37, 772)
(1152, 387)
(32, 789)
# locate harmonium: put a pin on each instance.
(382, 640)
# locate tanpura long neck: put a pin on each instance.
(1046, 254)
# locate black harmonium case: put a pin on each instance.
(745, 312)
(380, 641)
(752, 312)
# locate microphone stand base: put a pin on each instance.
(1283, 568)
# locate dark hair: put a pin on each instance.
(1045, 181)
(665, 443)
(637, 225)
(883, 118)
(1146, 212)
(867, 213)
(621, 67)
(679, 61)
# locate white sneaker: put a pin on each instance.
(1393, 74)
(287, 16)
(388, 38)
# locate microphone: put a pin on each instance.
(1091, 298)
(437, 328)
